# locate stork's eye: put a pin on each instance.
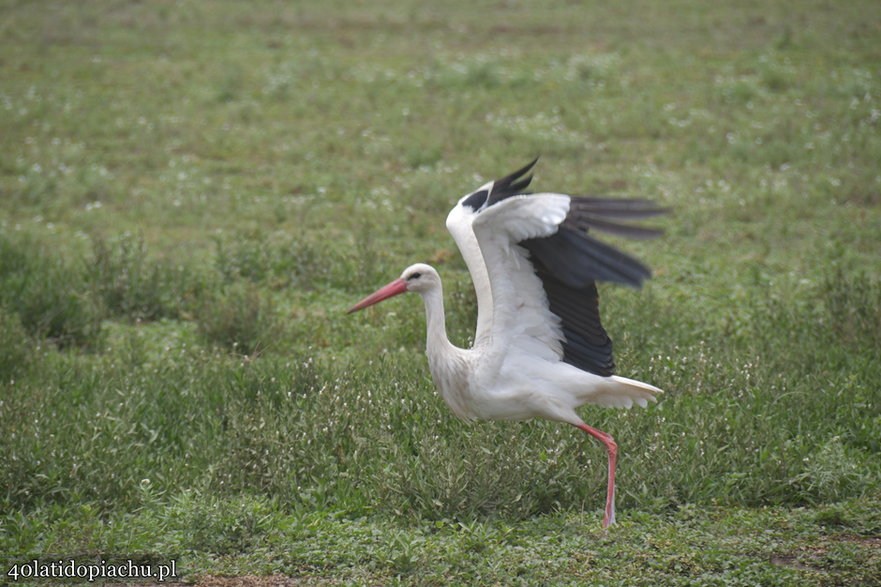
(413, 276)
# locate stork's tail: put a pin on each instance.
(620, 392)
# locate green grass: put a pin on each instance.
(193, 194)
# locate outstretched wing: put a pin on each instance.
(459, 224)
(541, 268)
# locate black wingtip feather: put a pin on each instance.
(625, 230)
(587, 213)
(512, 184)
(617, 207)
(577, 260)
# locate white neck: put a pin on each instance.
(446, 362)
(436, 341)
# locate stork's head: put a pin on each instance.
(419, 278)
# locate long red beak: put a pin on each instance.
(396, 287)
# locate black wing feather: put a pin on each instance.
(512, 184)
(578, 259)
(614, 207)
(586, 344)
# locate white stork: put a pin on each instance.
(539, 349)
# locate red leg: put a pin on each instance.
(612, 449)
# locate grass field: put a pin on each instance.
(192, 194)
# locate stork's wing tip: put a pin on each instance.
(512, 184)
